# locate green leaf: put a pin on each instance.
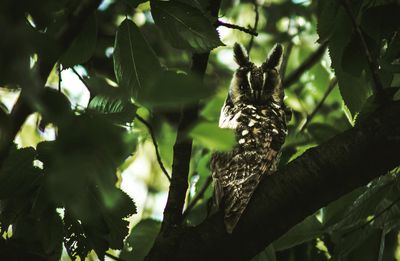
(83, 47)
(327, 14)
(354, 90)
(308, 229)
(141, 240)
(115, 109)
(17, 173)
(212, 137)
(184, 26)
(135, 64)
(90, 157)
(173, 89)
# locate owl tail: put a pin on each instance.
(235, 204)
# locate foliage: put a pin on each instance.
(134, 58)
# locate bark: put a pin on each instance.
(318, 177)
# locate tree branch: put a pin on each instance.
(166, 241)
(321, 175)
(237, 27)
(153, 138)
(373, 66)
(256, 19)
(64, 38)
(198, 196)
(307, 64)
(332, 85)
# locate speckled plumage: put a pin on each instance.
(254, 108)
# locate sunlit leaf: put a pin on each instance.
(212, 137)
(184, 26)
(141, 240)
(115, 109)
(135, 64)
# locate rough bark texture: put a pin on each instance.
(319, 176)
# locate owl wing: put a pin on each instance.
(236, 174)
(240, 179)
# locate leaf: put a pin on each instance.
(308, 229)
(380, 22)
(75, 241)
(135, 64)
(268, 254)
(172, 89)
(326, 13)
(90, 157)
(213, 137)
(322, 132)
(17, 173)
(53, 105)
(141, 239)
(354, 90)
(135, 3)
(115, 109)
(84, 45)
(184, 26)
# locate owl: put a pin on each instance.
(254, 108)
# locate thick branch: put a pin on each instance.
(307, 64)
(169, 235)
(319, 176)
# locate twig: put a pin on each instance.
(153, 138)
(383, 211)
(286, 55)
(80, 77)
(113, 257)
(307, 64)
(331, 85)
(237, 27)
(198, 196)
(257, 16)
(59, 77)
(373, 66)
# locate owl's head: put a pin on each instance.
(257, 85)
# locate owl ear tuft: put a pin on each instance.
(240, 55)
(274, 59)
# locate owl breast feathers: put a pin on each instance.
(254, 108)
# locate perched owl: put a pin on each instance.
(254, 108)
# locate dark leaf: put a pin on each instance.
(83, 47)
(17, 173)
(306, 230)
(172, 89)
(184, 26)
